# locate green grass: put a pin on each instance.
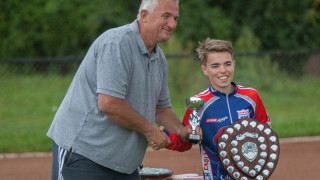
(28, 104)
(294, 110)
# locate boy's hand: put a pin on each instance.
(187, 130)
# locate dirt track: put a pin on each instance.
(299, 159)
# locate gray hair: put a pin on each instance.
(149, 5)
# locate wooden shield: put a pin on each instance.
(249, 149)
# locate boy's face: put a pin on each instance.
(220, 70)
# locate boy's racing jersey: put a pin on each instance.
(219, 111)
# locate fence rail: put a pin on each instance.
(294, 62)
(169, 56)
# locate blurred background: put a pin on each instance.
(277, 47)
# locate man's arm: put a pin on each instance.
(121, 113)
(167, 118)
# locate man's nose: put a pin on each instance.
(172, 23)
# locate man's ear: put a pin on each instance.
(204, 70)
(143, 15)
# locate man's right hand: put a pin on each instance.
(158, 138)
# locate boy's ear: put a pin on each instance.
(203, 68)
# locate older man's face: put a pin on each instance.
(163, 20)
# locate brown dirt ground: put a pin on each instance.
(299, 159)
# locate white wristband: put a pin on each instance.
(179, 131)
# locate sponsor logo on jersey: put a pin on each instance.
(206, 161)
(206, 165)
(211, 120)
(244, 113)
(214, 120)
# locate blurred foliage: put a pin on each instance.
(278, 24)
(68, 27)
(55, 28)
(50, 28)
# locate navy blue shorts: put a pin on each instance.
(67, 165)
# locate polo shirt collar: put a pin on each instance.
(142, 47)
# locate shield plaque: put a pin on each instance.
(248, 149)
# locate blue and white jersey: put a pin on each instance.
(219, 111)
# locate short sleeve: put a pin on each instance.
(112, 71)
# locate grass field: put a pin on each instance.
(28, 104)
(27, 107)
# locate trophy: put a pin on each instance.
(194, 104)
(248, 149)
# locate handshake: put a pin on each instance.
(185, 135)
(191, 133)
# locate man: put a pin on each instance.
(104, 124)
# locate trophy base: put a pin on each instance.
(193, 138)
(155, 173)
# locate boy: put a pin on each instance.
(225, 103)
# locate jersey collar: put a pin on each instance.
(218, 93)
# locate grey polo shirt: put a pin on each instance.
(117, 64)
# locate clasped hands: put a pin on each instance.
(161, 140)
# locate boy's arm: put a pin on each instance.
(261, 113)
(176, 143)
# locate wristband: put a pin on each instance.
(179, 131)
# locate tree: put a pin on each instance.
(279, 25)
(68, 27)
(58, 27)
